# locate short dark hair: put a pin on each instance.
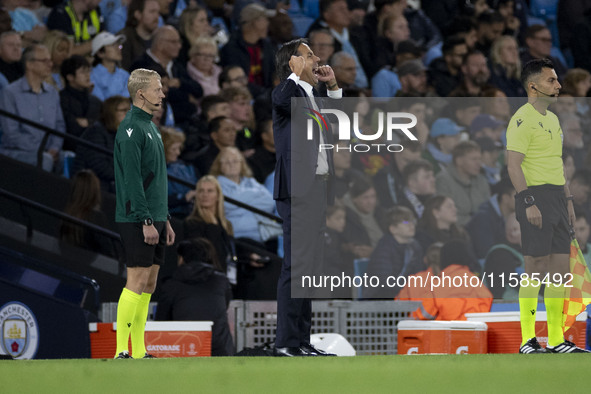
(414, 167)
(210, 101)
(463, 148)
(71, 65)
(215, 124)
(490, 17)
(461, 25)
(198, 250)
(284, 55)
(324, 4)
(534, 67)
(534, 29)
(399, 214)
(502, 187)
(450, 43)
(474, 52)
(223, 77)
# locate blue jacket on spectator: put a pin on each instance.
(177, 204)
(249, 191)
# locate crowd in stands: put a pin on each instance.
(66, 67)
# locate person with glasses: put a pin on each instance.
(538, 41)
(202, 66)
(108, 77)
(322, 43)
(32, 98)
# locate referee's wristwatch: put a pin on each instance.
(148, 222)
(529, 200)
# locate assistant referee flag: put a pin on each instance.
(577, 296)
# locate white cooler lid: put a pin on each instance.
(442, 325)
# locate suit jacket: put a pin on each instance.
(293, 151)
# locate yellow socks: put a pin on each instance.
(138, 327)
(528, 304)
(126, 310)
(554, 300)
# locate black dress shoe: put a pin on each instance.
(289, 352)
(312, 351)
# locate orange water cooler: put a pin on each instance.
(441, 337)
(163, 339)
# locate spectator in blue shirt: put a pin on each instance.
(31, 98)
(108, 78)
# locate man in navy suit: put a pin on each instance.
(302, 184)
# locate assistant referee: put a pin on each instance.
(543, 205)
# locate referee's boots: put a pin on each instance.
(532, 346)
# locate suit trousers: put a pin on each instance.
(304, 221)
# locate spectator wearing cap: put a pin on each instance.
(250, 48)
(475, 74)
(345, 70)
(505, 67)
(335, 16)
(485, 125)
(462, 182)
(445, 72)
(81, 109)
(443, 138)
(491, 25)
(386, 82)
(413, 78)
(491, 150)
(108, 78)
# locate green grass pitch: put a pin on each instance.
(490, 373)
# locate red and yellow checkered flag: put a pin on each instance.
(577, 296)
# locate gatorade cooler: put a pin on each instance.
(504, 330)
(163, 339)
(441, 337)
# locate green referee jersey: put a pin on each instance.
(140, 170)
(538, 137)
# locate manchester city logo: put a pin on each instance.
(20, 331)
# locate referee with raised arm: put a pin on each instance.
(543, 206)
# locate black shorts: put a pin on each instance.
(138, 253)
(554, 236)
